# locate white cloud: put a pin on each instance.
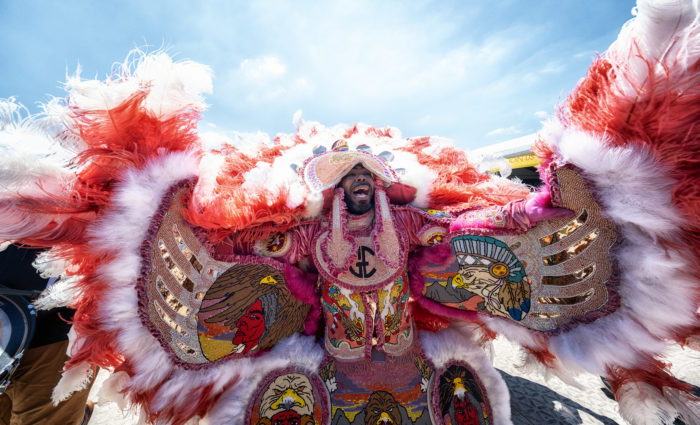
(262, 68)
(263, 80)
(541, 115)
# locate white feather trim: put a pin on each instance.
(33, 162)
(111, 390)
(173, 87)
(665, 34)
(74, 379)
(62, 293)
(642, 404)
(687, 405)
(209, 168)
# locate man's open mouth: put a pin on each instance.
(361, 192)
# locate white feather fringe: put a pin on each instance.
(663, 30)
(63, 293)
(642, 404)
(687, 406)
(75, 379)
(173, 87)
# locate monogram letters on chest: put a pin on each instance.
(361, 269)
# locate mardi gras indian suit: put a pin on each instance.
(239, 284)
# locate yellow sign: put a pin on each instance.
(520, 161)
(524, 160)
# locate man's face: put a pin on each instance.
(250, 326)
(358, 185)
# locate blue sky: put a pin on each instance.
(478, 72)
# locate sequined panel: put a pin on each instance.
(247, 309)
(170, 263)
(177, 283)
(572, 251)
(565, 231)
(382, 390)
(461, 397)
(289, 396)
(171, 300)
(568, 260)
(566, 300)
(186, 250)
(169, 321)
(183, 273)
(569, 279)
(487, 277)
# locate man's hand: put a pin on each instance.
(537, 208)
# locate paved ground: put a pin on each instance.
(534, 400)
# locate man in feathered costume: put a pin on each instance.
(369, 267)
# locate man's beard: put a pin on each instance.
(356, 208)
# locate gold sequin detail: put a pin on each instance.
(170, 299)
(565, 231)
(566, 300)
(170, 263)
(170, 322)
(186, 251)
(572, 251)
(569, 279)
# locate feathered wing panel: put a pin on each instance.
(644, 95)
(630, 130)
(166, 312)
(90, 180)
